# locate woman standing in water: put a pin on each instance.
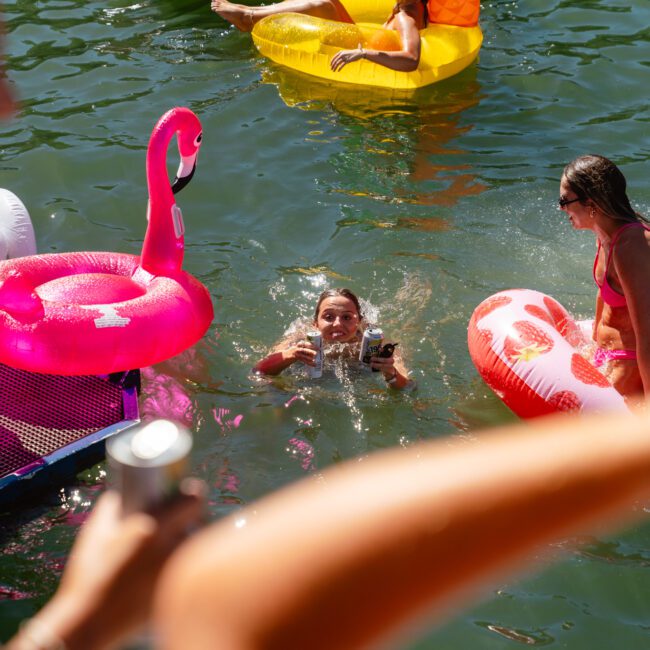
(340, 322)
(407, 18)
(593, 195)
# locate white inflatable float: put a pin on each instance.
(16, 230)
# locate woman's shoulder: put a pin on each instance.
(631, 254)
(632, 239)
(414, 13)
(410, 16)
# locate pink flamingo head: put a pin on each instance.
(162, 251)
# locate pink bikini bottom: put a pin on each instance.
(602, 356)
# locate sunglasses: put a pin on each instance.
(562, 202)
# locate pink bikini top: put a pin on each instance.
(607, 293)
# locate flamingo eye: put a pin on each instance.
(198, 140)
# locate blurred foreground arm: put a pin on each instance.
(345, 559)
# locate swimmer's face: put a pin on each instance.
(580, 213)
(338, 320)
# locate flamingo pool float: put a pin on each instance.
(100, 312)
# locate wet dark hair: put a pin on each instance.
(597, 179)
(425, 6)
(332, 293)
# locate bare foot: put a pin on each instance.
(240, 16)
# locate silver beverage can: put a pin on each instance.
(148, 463)
(316, 338)
(371, 342)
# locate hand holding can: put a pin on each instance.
(316, 339)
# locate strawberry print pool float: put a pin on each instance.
(527, 348)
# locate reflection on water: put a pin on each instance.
(168, 386)
(410, 162)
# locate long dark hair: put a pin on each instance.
(425, 7)
(425, 4)
(332, 293)
(599, 180)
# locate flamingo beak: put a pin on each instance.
(184, 174)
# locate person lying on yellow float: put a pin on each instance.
(415, 42)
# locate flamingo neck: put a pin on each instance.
(164, 244)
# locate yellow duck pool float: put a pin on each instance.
(450, 42)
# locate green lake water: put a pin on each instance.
(422, 204)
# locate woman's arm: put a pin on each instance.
(353, 548)
(631, 259)
(286, 353)
(406, 60)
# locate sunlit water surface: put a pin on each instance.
(424, 205)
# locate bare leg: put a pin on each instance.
(244, 17)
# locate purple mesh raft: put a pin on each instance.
(47, 420)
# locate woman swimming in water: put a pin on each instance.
(407, 18)
(593, 195)
(339, 319)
